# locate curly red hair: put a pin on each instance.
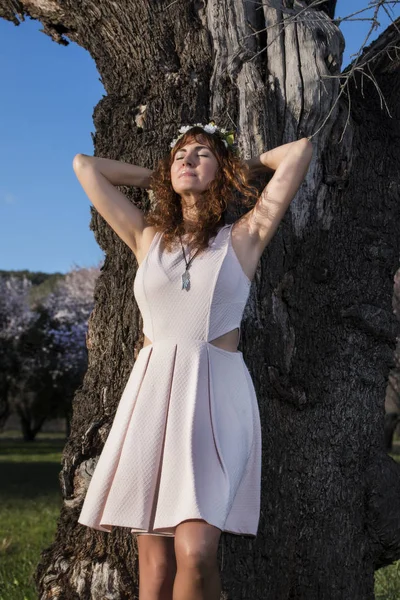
(231, 180)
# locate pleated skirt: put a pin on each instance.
(185, 443)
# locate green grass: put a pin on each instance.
(30, 502)
(387, 582)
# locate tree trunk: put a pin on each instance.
(319, 313)
(31, 423)
(27, 431)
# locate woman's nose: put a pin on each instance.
(187, 160)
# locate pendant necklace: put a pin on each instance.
(186, 274)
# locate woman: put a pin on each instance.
(182, 461)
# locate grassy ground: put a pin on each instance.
(30, 502)
(387, 580)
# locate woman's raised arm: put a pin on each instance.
(98, 177)
(117, 172)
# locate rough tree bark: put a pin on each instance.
(319, 312)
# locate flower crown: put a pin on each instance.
(228, 137)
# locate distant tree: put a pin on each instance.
(49, 355)
(69, 307)
(33, 395)
(15, 317)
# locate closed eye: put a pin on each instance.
(206, 155)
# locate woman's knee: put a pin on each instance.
(156, 558)
(199, 560)
(196, 546)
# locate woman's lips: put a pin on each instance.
(187, 175)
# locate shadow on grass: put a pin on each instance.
(28, 480)
(29, 470)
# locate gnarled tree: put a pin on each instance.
(319, 331)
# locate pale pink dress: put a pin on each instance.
(185, 442)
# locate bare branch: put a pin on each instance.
(295, 17)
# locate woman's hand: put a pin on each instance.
(269, 161)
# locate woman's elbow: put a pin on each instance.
(79, 161)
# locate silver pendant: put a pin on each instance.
(186, 280)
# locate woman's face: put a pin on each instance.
(193, 168)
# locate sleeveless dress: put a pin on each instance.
(185, 442)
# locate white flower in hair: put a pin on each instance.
(228, 136)
(210, 128)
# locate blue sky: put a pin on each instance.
(46, 105)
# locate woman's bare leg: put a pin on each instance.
(196, 546)
(157, 567)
